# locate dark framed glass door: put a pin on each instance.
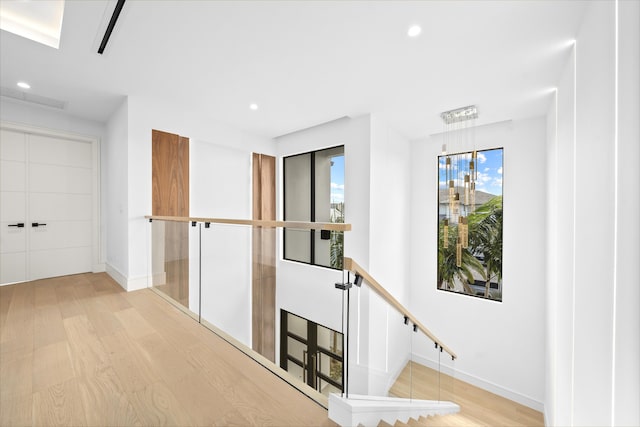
(311, 352)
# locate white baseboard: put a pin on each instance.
(137, 283)
(133, 283)
(484, 384)
(116, 275)
(398, 371)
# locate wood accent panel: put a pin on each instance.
(263, 286)
(170, 174)
(165, 370)
(351, 265)
(264, 180)
(170, 180)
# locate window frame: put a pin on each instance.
(312, 214)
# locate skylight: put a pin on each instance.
(40, 21)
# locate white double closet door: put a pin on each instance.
(47, 187)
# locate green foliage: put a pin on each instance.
(448, 271)
(485, 237)
(336, 244)
(485, 240)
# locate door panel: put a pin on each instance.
(59, 207)
(59, 262)
(12, 176)
(13, 241)
(12, 146)
(61, 234)
(56, 151)
(54, 178)
(13, 208)
(13, 267)
(13, 238)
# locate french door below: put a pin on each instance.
(311, 352)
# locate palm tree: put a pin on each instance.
(448, 271)
(485, 237)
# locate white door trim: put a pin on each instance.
(97, 257)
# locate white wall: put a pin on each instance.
(595, 351)
(551, 256)
(500, 346)
(594, 214)
(143, 116)
(377, 202)
(626, 391)
(52, 119)
(220, 186)
(117, 201)
(309, 291)
(389, 241)
(354, 135)
(560, 258)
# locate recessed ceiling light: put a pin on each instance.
(24, 85)
(253, 107)
(414, 31)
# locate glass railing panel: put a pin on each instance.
(263, 291)
(311, 328)
(226, 267)
(173, 261)
(425, 368)
(448, 380)
(380, 346)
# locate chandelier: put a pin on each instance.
(461, 175)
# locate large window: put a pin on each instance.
(314, 191)
(470, 223)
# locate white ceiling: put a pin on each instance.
(304, 62)
(37, 20)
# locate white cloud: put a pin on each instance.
(483, 177)
(500, 170)
(337, 197)
(487, 169)
(497, 182)
(481, 158)
(337, 186)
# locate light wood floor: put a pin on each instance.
(478, 407)
(78, 350)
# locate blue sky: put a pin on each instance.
(337, 179)
(489, 174)
(489, 171)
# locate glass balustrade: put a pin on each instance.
(173, 262)
(389, 355)
(319, 328)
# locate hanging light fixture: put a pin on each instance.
(461, 171)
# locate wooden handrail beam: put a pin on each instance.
(351, 265)
(259, 223)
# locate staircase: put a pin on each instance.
(372, 410)
(452, 420)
